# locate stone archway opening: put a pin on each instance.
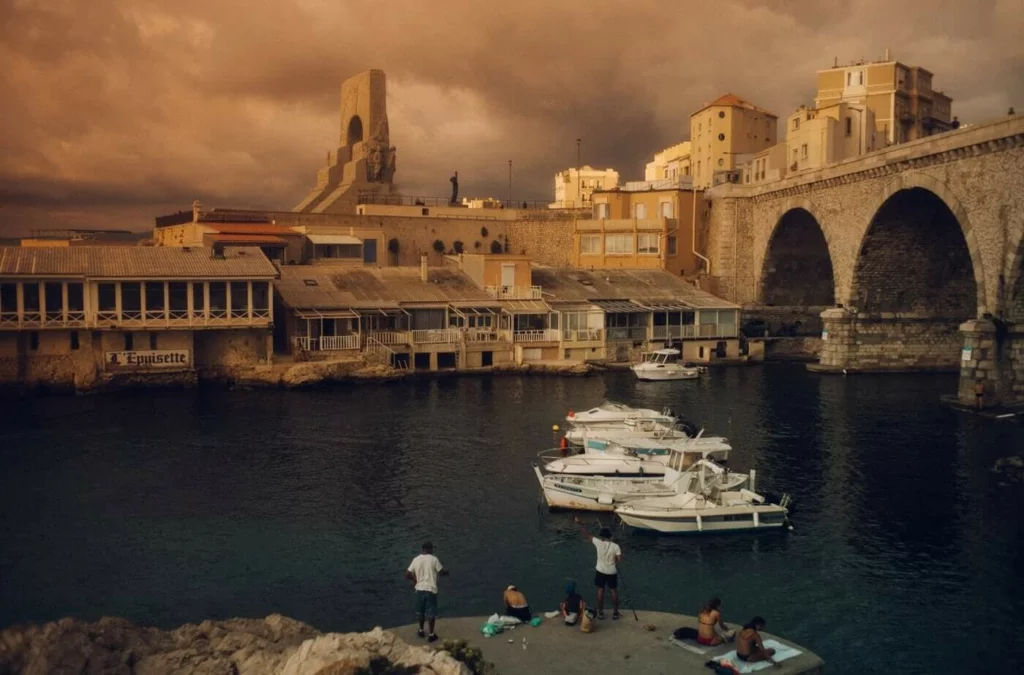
(355, 130)
(913, 286)
(914, 259)
(797, 269)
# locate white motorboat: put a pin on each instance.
(596, 492)
(610, 412)
(633, 457)
(705, 500)
(631, 428)
(663, 364)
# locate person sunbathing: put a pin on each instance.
(712, 630)
(749, 646)
(516, 604)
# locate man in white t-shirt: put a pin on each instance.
(609, 556)
(423, 572)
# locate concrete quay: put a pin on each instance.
(614, 647)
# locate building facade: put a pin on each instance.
(84, 316)
(574, 188)
(672, 163)
(818, 137)
(905, 105)
(645, 225)
(723, 131)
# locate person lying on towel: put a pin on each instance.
(516, 604)
(573, 605)
(712, 630)
(749, 646)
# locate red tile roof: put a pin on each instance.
(735, 101)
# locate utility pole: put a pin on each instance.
(579, 181)
(510, 183)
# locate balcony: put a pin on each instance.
(631, 334)
(327, 343)
(581, 335)
(436, 336)
(479, 335)
(389, 338)
(673, 332)
(514, 292)
(541, 335)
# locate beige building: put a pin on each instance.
(818, 137)
(646, 225)
(672, 163)
(573, 189)
(725, 130)
(84, 316)
(900, 96)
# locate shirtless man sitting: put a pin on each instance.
(712, 630)
(749, 647)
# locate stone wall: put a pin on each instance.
(884, 342)
(547, 242)
(230, 348)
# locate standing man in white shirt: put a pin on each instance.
(609, 557)
(423, 572)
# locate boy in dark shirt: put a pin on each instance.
(573, 605)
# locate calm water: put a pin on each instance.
(174, 507)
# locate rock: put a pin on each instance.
(274, 645)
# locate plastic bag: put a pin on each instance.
(491, 629)
(535, 621)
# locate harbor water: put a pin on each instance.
(177, 506)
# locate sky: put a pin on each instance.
(116, 111)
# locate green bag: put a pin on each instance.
(490, 629)
(535, 621)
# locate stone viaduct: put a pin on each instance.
(913, 255)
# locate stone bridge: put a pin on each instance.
(916, 249)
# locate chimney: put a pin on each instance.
(218, 249)
(197, 207)
(423, 267)
(886, 53)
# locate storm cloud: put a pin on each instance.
(114, 112)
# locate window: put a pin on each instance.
(260, 296)
(803, 150)
(198, 300)
(239, 299)
(618, 244)
(76, 298)
(721, 162)
(8, 298)
(670, 245)
(647, 243)
(106, 296)
(590, 243)
(30, 297)
(129, 342)
(74, 339)
(603, 211)
(53, 300)
(369, 251)
(721, 114)
(640, 211)
(152, 340)
(178, 298)
(218, 298)
(721, 137)
(849, 126)
(666, 210)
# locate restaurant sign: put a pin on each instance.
(166, 359)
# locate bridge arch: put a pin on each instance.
(919, 254)
(797, 267)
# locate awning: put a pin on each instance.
(666, 305)
(620, 306)
(334, 239)
(325, 314)
(381, 311)
(524, 307)
(471, 311)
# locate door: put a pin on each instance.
(370, 251)
(508, 275)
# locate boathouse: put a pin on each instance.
(79, 316)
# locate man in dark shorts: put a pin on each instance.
(423, 571)
(606, 575)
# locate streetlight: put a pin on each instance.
(579, 181)
(510, 183)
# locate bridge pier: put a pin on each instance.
(993, 354)
(887, 342)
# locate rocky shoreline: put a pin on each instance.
(275, 645)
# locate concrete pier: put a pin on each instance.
(614, 647)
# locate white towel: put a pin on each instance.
(782, 652)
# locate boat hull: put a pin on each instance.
(711, 521)
(663, 374)
(589, 493)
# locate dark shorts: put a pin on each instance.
(426, 604)
(602, 580)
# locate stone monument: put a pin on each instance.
(365, 162)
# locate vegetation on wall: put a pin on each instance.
(471, 657)
(476, 244)
(393, 245)
(483, 232)
(458, 246)
(495, 246)
(439, 246)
